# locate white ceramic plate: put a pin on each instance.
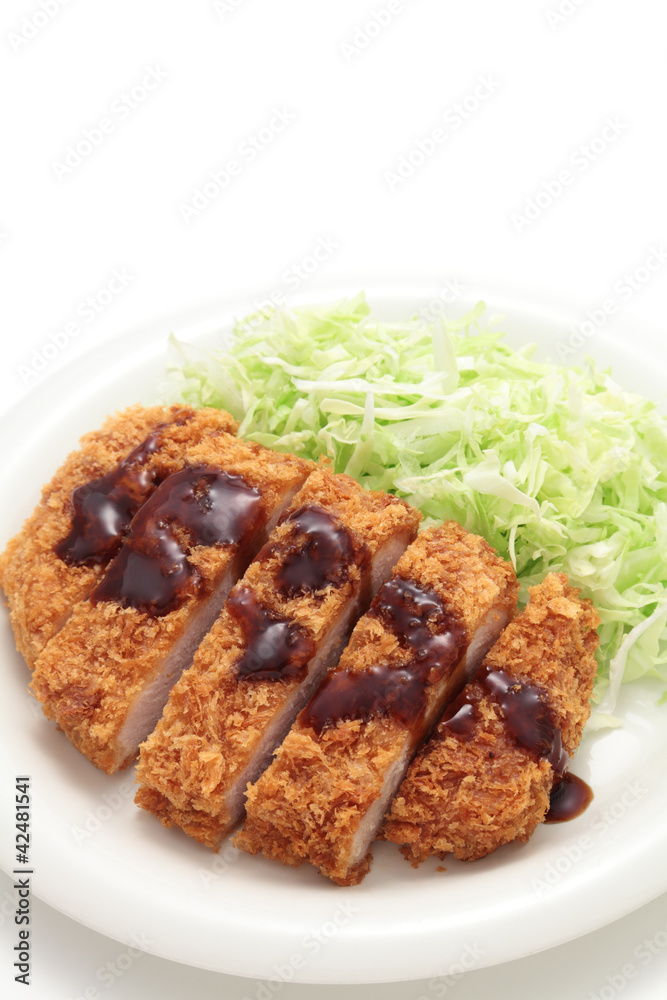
(100, 860)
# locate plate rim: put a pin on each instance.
(220, 309)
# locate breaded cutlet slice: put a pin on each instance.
(60, 553)
(106, 675)
(284, 624)
(485, 776)
(327, 791)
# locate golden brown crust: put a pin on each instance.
(91, 672)
(214, 722)
(469, 796)
(41, 589)
(309, 804)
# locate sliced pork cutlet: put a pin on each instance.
(486, 775)
(63, 548)
(106, 675)
(284, 625)
(327, 791)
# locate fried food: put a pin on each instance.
(325, 795)
(62, 550)
(106, 675)
(484, 778)
(284, 624)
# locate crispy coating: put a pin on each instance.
(467, 796)
(90, 674)
(308, 806)
(214, 722)
(41, 589)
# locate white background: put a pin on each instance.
(519, 94)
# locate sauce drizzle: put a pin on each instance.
(459, 719)
(570, 796)
(529, 720)
(317, 552)
(275, 647)
(196, 506)
(525, 710)
(104, 507)
(435, 640)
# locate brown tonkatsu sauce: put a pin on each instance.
(524, 708)
(525, 711)
(197, 506)
(104, 507)
(363, 694)
(436, 640)
(529, 721)
(317, 552)
(459, 718)
(275, 647)
(570, 796)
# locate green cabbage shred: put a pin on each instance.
(558, 468)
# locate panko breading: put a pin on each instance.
(469, 792)
(303, 594)
(325, 794)
(106, 675)
(41, 587)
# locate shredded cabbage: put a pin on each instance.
(558, 468)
